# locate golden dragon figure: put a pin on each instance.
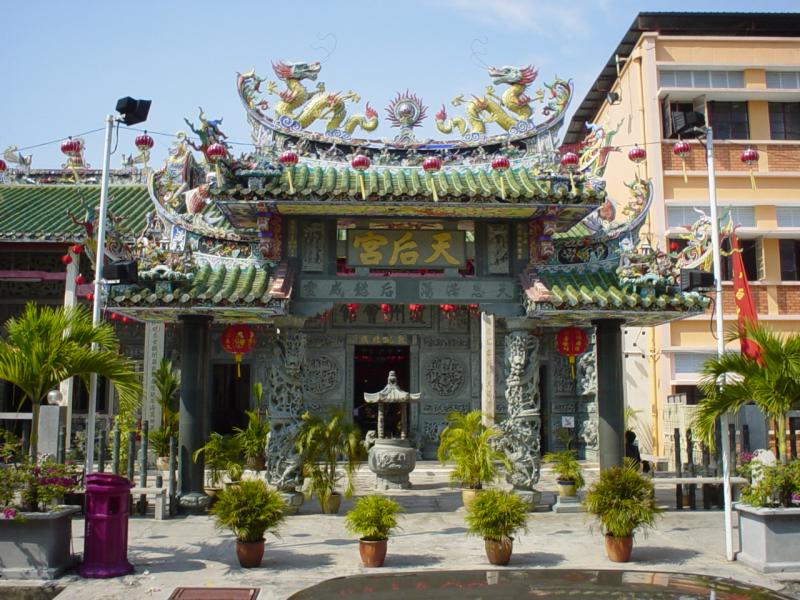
(508, 109)
(304, 107)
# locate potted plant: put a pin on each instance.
(35, 529)
(168, 384)
(373, 519)
(319, 442)
(253, 439)
(623, 501)
(766, 372)
(569, 476)
(496, 516)
(467, 442)
(248, 510)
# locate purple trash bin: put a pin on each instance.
(105, 546)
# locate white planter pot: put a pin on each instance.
(769, 538)
(38, 547)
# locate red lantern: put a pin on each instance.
(289, 159)
(76, 249)
(501, 164)
(113, 316)
(681, 149)
(71, 147)
(432, 165)
(238, 339)
(637, 154)
(570, 162)
(126, 320)
(215, 153)
(352, 311)
(90, 297)
(66, 259)
(674, 246)
(80, 280)
(144, 142)
(571, 342)
(3, 165)
(474, 309)
(386, 309)
(415, 311)
(749, 157)
(361, 163)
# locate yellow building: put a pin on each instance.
(742, 71)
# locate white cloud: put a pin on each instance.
(543, 17)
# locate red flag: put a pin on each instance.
(745, 308)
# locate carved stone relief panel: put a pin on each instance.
(497, 248)
(313, 247)
(562, 377)
(444, 375)
(322, 375)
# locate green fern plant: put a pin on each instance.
(253, 438)
(623, 501)
(497, 515)
(566, 466)
(248, 510)
(320, 441)
(168, 384)
(467, 442)
(373, 518)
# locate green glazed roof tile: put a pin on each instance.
(39, 212)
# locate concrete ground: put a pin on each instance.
(188, 551)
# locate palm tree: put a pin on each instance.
(46, 345)
(771, 380)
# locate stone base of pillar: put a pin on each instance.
(532, 498)
(194, 503)
(293, 501)
(568, 504)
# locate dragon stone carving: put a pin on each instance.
(285, 409)
(520, 430)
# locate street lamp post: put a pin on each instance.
(716, 256)
(100, 254)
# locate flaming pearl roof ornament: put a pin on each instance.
(406, 111)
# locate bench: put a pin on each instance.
(160, 494)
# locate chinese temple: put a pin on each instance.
(488, 269)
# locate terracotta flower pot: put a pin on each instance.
(373, 552)
(499, 551)
(256, 463)
(250, 553)
(468, 496)
(332, 504)
(618, 549)
(566, 488)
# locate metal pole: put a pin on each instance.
(98, 274)
(715, 250)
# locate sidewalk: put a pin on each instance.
(188, 551)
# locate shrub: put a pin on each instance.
(248, 510)
(776, 486)
(373, 517)
(468, 443)
(566, 466)
(622, 500)
(497, 515)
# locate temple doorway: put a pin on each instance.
(371, 372)
(230, 397)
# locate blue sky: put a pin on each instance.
(66, 63)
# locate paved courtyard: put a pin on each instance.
(188, 551)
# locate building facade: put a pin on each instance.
(742, 73)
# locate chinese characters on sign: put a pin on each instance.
(411, 249)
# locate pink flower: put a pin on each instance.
(9, 513)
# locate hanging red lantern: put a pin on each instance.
(66, 260)
(126, 320)
(238, 340)
(431, 165)
(571, 342)
(289, 159)
(681, 149)
(352, 311)
(71, 147)
(113, 316)
(215, 153)
(474, 309)
(501, 164)
(570, 160)
(386, 309)
(144, 142)
(749, 157)
(674, 246)
(80, 279)
(3, 165)
(76, 248)
(415, 311)
(90, 297)
(361, 163)
(637, 154)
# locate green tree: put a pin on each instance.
(46, 345)
(771, 380)
(168, 384)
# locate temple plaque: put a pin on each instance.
(411, 249)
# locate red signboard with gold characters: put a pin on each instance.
(238, 340)
(571, 342)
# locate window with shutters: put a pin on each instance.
(729, 120)
(784, 120)
(790, 260)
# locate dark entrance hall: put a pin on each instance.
(371, 371)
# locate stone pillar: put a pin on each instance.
(70, 300)
(521, 430)
(487, 368)
(195, 354)
(610, 398)
(153, 353)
